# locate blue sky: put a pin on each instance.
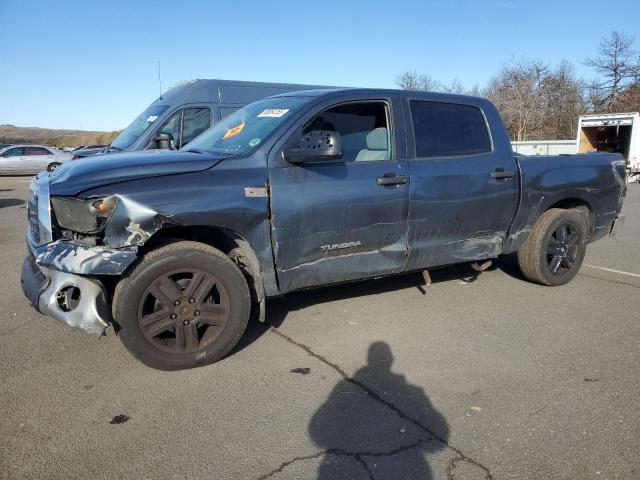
(93, 64)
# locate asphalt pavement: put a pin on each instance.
(476, 376)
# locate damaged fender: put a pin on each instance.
(132, 224)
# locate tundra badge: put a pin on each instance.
(336, 246)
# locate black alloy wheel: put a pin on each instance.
(184, 310)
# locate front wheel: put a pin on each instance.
(184, 305)
(555, 248)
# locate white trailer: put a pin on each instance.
(612, 132)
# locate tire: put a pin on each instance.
(545, 257)
(52, 166)
(184, 305)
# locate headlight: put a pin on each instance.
(83, 216)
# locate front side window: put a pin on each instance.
(249, 127)
(138, 126)
(196, 121)
(364, 130)
(14, 152)
(172, 127)
(448, 129)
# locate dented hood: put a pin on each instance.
(74, 177)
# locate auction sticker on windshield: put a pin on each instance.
(273, 112)
(232, 132)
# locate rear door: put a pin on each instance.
(37, 158)
(343, 219)
(464, 191)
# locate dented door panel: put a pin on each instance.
(332, 221)
(457, 211)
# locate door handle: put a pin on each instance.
(392, 179)
(502, 173)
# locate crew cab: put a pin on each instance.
(296, 191)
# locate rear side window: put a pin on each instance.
(448, 129)
(37, 151)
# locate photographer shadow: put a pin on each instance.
(363, 431)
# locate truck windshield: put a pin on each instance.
(138, 126)
(245, 129)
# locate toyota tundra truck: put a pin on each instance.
(177, 249)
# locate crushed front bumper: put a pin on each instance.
(45, 289)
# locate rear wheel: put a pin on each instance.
(555, 248)
(183, 306)
(52, 166)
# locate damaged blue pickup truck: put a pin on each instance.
(178, 249)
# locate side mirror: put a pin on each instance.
(316, 146)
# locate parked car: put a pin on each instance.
(88, 151)
(298, 191)
(185, 111)
(29, 159)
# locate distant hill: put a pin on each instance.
(54, 137)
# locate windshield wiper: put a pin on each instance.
(196, 150)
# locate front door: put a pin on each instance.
(343, 219)
(13, 161)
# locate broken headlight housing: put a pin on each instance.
(83, 216)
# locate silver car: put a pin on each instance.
(29, 159)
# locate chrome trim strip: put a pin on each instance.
(44, 208)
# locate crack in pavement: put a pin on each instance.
(619, 282)
(461, 457)
(355, 455)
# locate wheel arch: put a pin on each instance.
(575, 203)
(228, 242)
(538, 206)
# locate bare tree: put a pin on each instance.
(455, 87)
(537, 102)
(412, 80)
(517, 93)
(617, 64)
(563, 101)
(628, 100)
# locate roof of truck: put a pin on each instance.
(435, 96)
